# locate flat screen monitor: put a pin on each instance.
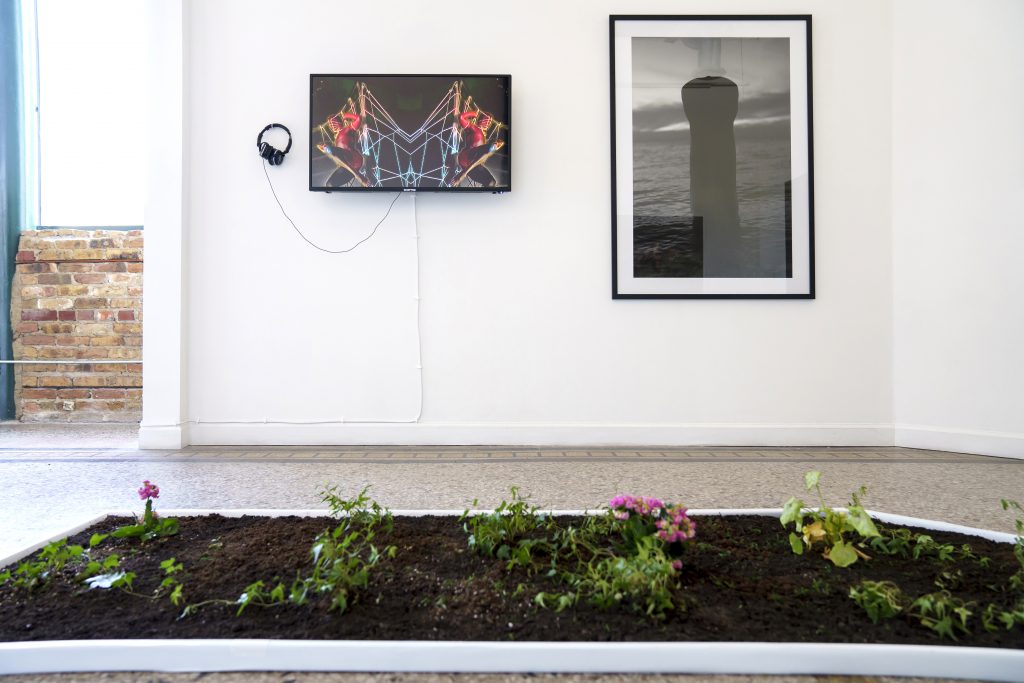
(409, 132)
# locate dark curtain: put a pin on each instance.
(12, 182)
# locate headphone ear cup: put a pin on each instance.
(278, 157)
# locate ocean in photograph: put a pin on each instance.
(666, 241)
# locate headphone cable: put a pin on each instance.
(316, 246)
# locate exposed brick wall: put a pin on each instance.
(77, 294)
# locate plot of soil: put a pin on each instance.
(739, 582)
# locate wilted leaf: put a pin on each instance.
(842, 554)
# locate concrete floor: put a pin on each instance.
(54, 477)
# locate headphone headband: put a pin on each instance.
(259, 139)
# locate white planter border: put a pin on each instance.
(209, 655)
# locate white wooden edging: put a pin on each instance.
(515, 657)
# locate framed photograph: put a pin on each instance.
(712, 191)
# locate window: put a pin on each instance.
(92, 112)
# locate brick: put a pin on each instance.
(73, 393)
(107, 341)
(39, 393)
(36, 406)
(38, 340)
(36, 268)
(103, 243)
(89, 380)
(55, 381)
(104, 315)
(111, 268)
(94, 352)
(124, 303)
(88, 315)
(91, 302)
(25, 257)
(75, 267)
(71, 244)
(38, 315)
(135, 291)
(56, 303)
(108, 393)
(134, 340)
(72, 341)
(56, 328)
(37, 291)
(126, 315)
(90, 278)
(26, 279)
(56, 352)
(54, 278)
(135, 267)
(23, 328)
(66, 315)
(73, 290)
(124, 254)
(125, 353)
(95, 329)
(127, 328)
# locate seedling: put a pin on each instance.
(880, 599)
(828, 527)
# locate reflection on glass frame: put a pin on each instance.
(712, 192)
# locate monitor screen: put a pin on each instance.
(423, 133)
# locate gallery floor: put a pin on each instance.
(55, 477)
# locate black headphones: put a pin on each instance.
(268, 151)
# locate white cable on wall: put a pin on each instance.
(419, 333)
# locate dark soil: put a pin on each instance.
(740, 582)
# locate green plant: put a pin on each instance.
(1017, 580)
(880, 599)
(172, 582)
(827, 526)
(942, 613)
(152, 526)
(34, 574)
(342, 560)
(905, 543)
(498, 533)
(361, 509)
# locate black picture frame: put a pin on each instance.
(682, 234)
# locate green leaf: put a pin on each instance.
(860, 521)
(129, 531)
(111, 562)
(842, 554)
(792, 512)
(796, 543)
(96, 539)
(176, 595)
(811, 479)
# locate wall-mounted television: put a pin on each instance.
(447, 133)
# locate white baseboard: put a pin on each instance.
(538, 434)
(1007, 445)
(163, 437)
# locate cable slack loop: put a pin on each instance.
(308, 241)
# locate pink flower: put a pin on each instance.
(677, 564)
(149, 490)
(676, 527)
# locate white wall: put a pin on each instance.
(958, 159)
(522, 342)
